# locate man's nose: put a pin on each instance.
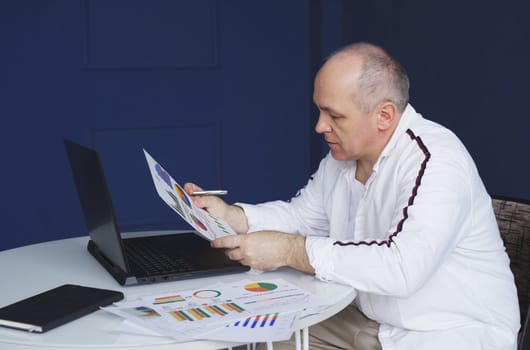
(322, 125)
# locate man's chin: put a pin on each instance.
(338, 155)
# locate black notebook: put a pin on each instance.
(55, 307)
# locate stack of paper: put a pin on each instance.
(243, 311)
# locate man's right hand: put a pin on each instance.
(232, 214)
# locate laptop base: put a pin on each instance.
(206, 261)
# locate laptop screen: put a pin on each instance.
(95, 201)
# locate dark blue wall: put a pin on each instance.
(216, 91)
(219, 91)
(469, 70)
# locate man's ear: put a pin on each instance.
(387, 115)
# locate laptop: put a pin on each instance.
(137, 260)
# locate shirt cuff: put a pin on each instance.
(319, 250)
(253, 217)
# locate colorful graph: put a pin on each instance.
(168, 299)
(198, 222)
(204, 312)
(183, 195)
(258, 321)
(206, 294)
(163, 174)
(219, 225)
(275, 298)
(142, 312)
(260, 287)
(176, 205)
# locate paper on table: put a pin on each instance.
(245, 310)
(276, 295)
(183, 315)
(257, 328)
(129, 327)
(156, 321)
(177, 199)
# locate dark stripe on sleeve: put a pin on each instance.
(413, 194)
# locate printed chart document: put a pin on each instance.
(244, 311)
(259, 328)
(178, 200)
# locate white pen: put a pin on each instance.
(210, 192)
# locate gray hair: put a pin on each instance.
(382, 77)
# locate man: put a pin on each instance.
(397, 210)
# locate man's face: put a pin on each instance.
(349, 133)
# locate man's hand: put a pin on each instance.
(267, 250)
(232, 214)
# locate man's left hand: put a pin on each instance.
(266, 250)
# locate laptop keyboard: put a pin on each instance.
(154, 261)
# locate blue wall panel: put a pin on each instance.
(222, 87)
(150, 34)
(135, 200)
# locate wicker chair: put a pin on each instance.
(513, 218)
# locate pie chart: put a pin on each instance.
(182, 195)
(163, 174)
(198, 222)
(206, 294)
(260, 287)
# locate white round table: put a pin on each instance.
(35, 268)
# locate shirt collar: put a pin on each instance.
(409, 114)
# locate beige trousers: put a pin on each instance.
(349, 329)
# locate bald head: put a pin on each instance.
(375, 76)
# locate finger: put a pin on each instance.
(190, 187)
(202, 202)
(226, 242)
(234, 254)
(206, 202)
(245, 263)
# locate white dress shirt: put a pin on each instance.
(419, 241)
